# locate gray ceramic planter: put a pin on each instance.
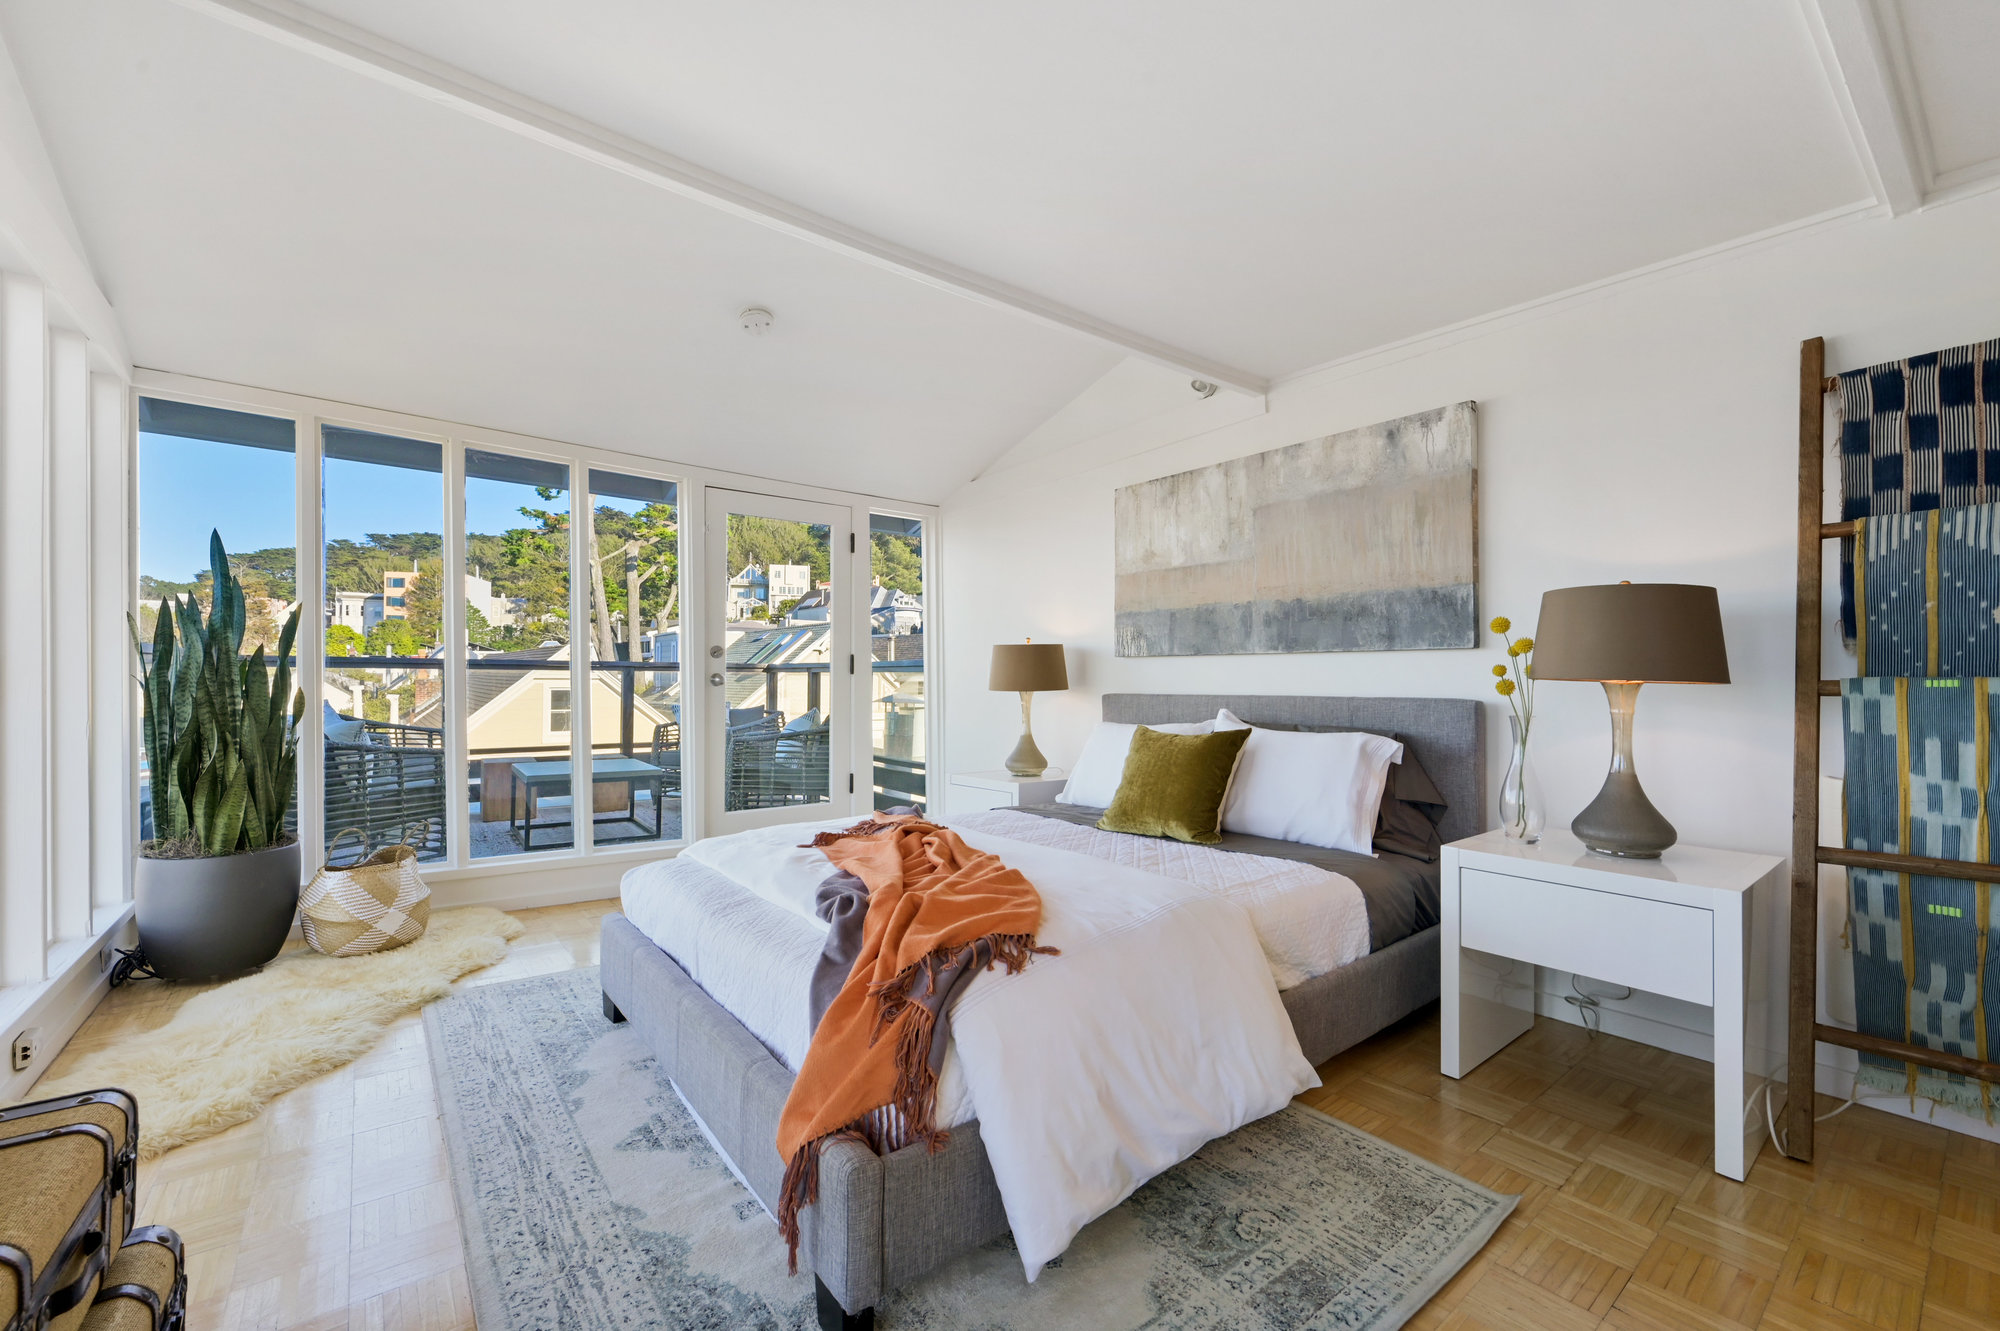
(209, 919)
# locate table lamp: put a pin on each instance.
(1622, 636)
(1027, 668)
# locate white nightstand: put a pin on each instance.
(1678, 925)
(1003, 790)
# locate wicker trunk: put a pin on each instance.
(67, 1175)
(69, 1257)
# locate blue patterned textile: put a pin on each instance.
(1921, 780)
(1916, 435)
(1926, 589)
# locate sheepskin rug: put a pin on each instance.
(230, 1051)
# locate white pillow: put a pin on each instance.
(1094, 779)
(1313, 787)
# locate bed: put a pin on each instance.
(882, 1221)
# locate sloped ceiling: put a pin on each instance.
(1295, 184)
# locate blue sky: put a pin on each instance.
(188, 487)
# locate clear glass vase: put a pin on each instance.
(1521, 810)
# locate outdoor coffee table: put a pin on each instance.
(534, 780)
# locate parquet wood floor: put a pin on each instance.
(334, 1208)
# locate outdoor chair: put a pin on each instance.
(666, 755)
(388, 783)
(767, 767)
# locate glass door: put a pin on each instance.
(777, 663)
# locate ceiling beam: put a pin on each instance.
(1861, 65)
(366, 53)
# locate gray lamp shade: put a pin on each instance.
(1028, 667)
(1632, 632)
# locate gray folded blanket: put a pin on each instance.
(842, 901)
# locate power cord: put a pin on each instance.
(1769, 1085)
(1587, 1003)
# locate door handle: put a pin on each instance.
(715, 678)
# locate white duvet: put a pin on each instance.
(1158, 1028)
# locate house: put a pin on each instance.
(766, 586)
(519, 703)
(893, 612)
(396, 585)
(360, 611)
(1229, 370)
(815, 607)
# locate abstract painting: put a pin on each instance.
(1363, 541)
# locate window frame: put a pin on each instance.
(462, 878)
(550, 730)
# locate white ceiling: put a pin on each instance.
(1301, 182)
(262, 217)
(1272, 184)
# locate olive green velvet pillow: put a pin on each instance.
(1174, 784)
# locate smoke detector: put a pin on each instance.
(756, 320)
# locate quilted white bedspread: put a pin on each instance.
(1309, 920)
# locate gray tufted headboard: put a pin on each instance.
(1446, 734)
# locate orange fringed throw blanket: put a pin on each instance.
(936, 907)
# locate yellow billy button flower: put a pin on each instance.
(1504, 687)
(1500, 670)
(1501, 624)
(1529, 672)
(1524, 645)
(1513, 649)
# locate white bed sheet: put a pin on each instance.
(1157, 1029)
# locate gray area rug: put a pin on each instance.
(591, 1199)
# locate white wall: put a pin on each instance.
(1647, 430)
(65, 730)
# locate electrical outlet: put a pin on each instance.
(106, 957)
(24, 1047)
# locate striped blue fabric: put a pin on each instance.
(1917, 435)
(1923, 777)
(1927, 593)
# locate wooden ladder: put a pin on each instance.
(1806, 1030)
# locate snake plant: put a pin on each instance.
(220, 740)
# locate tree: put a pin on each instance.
(755, 540)
(423, 601)
(344, 641)
(393, 637)
(897, 562)
(784, 607)
(639, 548)
(358, 566)
(535, 561)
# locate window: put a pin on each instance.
(517, 651)
(382, 507)
(205, 470)
(632, 540)
(496, 658)
(897, 659)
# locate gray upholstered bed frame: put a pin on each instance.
(883, 1221)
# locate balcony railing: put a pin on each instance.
(404, 784)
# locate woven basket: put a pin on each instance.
(371, 905)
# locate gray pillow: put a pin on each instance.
(340, 730)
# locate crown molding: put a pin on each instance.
(294, 25)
